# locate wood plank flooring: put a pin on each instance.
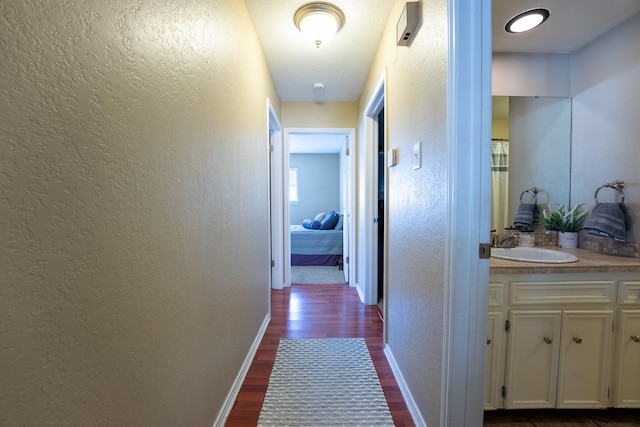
(316, 311)
(563, 418)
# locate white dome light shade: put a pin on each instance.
(319, 22)
(526, 21)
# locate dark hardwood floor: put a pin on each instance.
(563, 418)
(316, 311)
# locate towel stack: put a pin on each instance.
(525, 216)
(609, 220)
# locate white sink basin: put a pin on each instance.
(526, 254)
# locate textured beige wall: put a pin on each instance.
(319, 115)
(133, 209)
(417, 199)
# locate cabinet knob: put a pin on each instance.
(635, 338)
(548, 340)
(578, 340)
(488, 341)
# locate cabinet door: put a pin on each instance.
(532, 359)
(585, 357)
(493, 362)
(627, 377)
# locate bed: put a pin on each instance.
(315, 247)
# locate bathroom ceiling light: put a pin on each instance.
(526, 21)
(319, 22)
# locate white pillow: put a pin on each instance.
(319, 217)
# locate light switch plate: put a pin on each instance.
(392, 157)
(417, 155)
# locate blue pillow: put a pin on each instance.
(329, 221)
(311, 224)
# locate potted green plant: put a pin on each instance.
(566, 221)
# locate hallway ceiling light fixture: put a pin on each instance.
(526, 21)
(319, 22)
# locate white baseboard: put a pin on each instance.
(235, 389)
(360, 292)
(406, 394)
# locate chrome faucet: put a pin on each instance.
(505, 242)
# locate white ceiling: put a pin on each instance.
(342, 64)
(571, 25)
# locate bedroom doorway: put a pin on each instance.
(319, 160)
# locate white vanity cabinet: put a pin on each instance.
(626, 378)
(558, 359)
(558, 345)
(585, 359)
(494, 356)
(532, 359)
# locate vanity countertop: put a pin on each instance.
(588, 262)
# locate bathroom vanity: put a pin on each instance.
(564, 335)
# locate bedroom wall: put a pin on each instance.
(318, 185)
(134, 235)
(416, 107)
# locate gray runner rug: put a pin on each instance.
(316, 275)
(324, 382)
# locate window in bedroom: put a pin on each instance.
(293, 185)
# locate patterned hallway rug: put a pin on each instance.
(324, 382)
(316, 275)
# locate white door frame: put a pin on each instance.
(468, 222)
(367, 285)
(348, 226)
(276, 202)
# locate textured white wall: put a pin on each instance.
(133, 193)
(538, 154)
(606, 129)
(525, 74)
(417, 199)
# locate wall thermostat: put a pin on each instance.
(407, 25)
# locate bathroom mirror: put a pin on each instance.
(531, 147)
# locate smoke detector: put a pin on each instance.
(319, 87)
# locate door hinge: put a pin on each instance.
(270, 148)
(613, 324)
(507, 326)
(346, 152)
(485, 250)
(346, 260)
(503, 393)
(608, 393)
(273, 263)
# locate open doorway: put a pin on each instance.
(372, 282)
(276, 215)
(380, 214)
(319, 177)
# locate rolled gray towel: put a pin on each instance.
(524, 216)
(609, 220)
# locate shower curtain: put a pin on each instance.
(499, 186)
